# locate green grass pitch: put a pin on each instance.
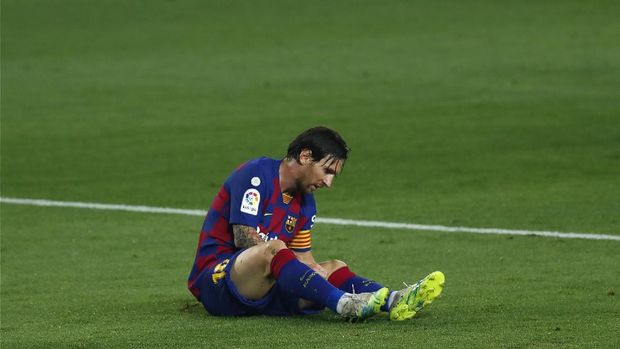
(479, 114)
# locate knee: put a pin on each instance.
(270, 248)
(333, 265)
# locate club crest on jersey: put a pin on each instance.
(251, 199)
(290, 223)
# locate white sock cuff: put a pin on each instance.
(342, 301)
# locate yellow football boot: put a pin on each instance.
(411, 299)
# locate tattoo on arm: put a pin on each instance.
(245, 236)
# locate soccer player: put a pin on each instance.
(254, 253)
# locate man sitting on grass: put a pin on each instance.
(254, 252)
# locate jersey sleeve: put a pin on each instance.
(302, 241)
(248, 191)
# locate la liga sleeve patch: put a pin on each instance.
(250, 202)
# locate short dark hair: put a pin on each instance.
(321, 141)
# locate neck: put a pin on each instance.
(288, 172)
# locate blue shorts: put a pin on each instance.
(219, 295)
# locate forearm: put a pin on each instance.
(246, 236)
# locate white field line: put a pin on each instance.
(324, 220)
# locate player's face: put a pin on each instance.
(319, 174)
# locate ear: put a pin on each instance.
(305, 157)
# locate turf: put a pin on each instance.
(479, 113)
(104, 279)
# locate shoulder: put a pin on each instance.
(307, 212)
(256, 172)
(308, 205)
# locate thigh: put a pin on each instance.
(251, 271)
(217, 296)
(220, 296)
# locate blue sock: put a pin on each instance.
(359, 285)
(348, 281)
(299, 279)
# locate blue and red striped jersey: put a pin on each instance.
(251, 196)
